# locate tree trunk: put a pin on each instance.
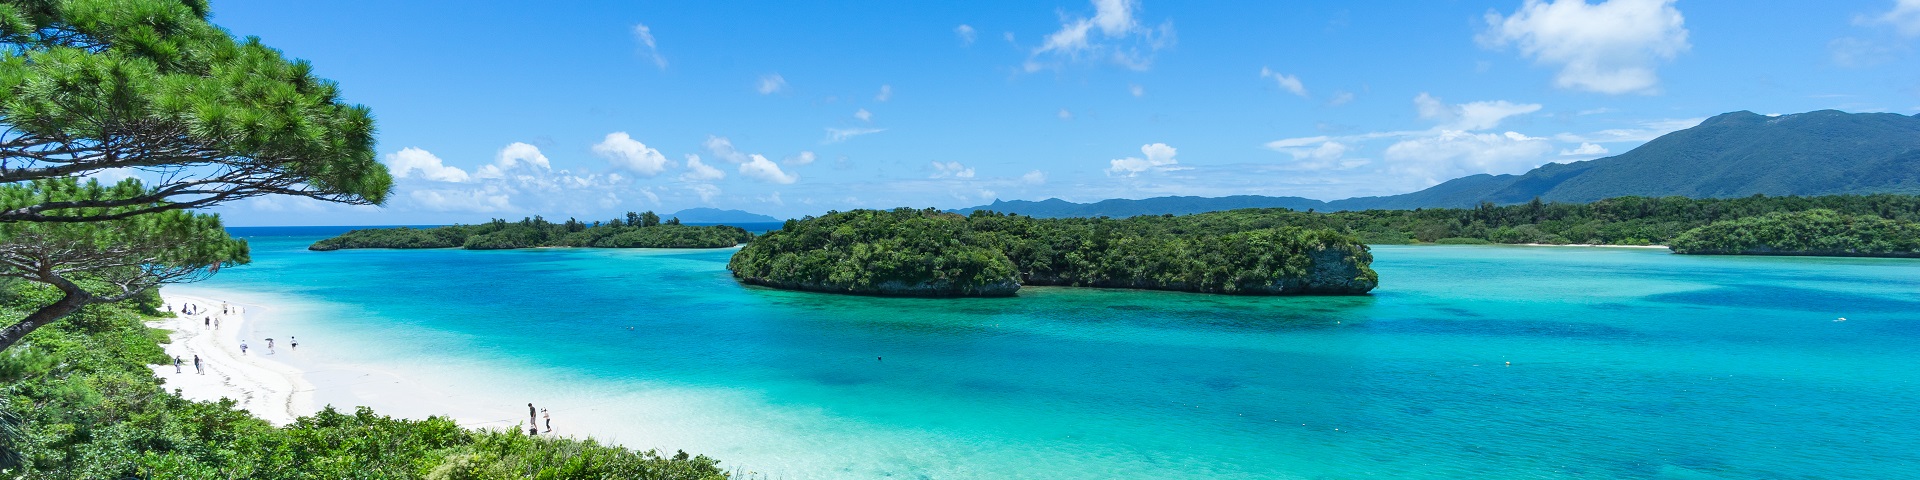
(75, 299)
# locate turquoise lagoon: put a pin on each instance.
(1625, 363)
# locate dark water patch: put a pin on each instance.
(1222, 384)
(1132, 308)
(1774, 297)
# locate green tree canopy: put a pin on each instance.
(150, 86)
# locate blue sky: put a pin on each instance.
(588, 109)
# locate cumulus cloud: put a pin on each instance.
(803, 159)
(1585, 149)
(644, 35)
(407, 161)
(759, 168)
(488, 199)
(1286, 82)
(951, 170)
(1158, 157)
(1035, 177)
(863, 115)
(624, 152)
(698, 171)
(1612, 47)
(1453, 154)
(1469, 116)
(705, 191)
(966, 34)
(771, 84)
(886, 93)
(1137, 90)
(1112, 34)
(837, 135)
(1317, 153)
(516, 155)
(723, 148)
(1063, 114)
(1904, 18)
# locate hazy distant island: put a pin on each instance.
(635, 230)
(908, 252)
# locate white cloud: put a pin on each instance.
(1035, 177)
(951, 169)
(966, 34)
(408, 160)
(1905, 18)
(723, 148)
(488, 199)
(1064, 114)
(1611, 47)
(759, 168)
(837, 135)
(644, 35)
(1121, 38)
(1159, 158)
(863, 115)
(625, 152)
(698, 171)
(1856, 52)
(1340, 98)
(771, 84)
(1317, 153)
(705, 191)
(1647, 130)
(514, 155)
(1453, 154)
(886, 93)
(1137, 90)
(1286, 82)
(803, 159)
(1469, 116)
(1585, 149)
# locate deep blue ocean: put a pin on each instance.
(1467, 362)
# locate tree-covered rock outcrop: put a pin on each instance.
(899, 252)
(638, 230)
(930, 253)
(1814, 232)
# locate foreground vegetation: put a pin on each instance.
(930, 253)
(1814, 232)
(637, 230)
(80, 402)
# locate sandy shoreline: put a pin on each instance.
(285, 383)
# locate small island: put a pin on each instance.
(908, 252)
(1818, 232)
(636, 230)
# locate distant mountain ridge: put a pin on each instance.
(1738, 154)
(715, 215)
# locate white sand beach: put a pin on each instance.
(283, 383)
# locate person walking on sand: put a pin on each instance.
(197, 367)
(532, 416)
(243, 348)
(269, 346)
(176, 364)
(293, 343)
(548, 418)
(208, 321)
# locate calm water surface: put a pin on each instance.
(1625, 363)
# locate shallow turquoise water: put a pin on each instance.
(1626, 363)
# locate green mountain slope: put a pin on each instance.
(1739, 154)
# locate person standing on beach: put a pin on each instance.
(208, 321)
(293, 343)
(269, 346)
(243, 348)
(548, 418)
(532, 417)
(197, 367)
(176, 364)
